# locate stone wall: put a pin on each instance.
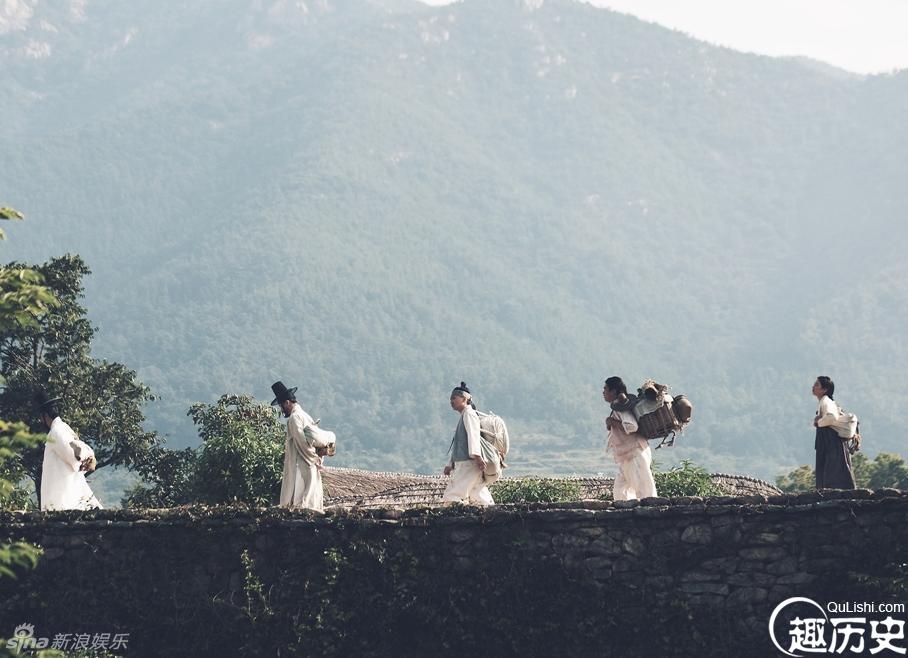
(685, 576)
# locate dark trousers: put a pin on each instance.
(833, 461)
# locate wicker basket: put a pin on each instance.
(658, 424)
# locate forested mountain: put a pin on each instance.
(374, 200)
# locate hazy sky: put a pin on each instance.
(864, 36)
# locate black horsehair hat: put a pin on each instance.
(282, 393)
(43, 402)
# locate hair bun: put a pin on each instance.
(463, 387)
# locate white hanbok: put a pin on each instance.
(63, 485)
(634, 458)
(302, 482)
(468, 483)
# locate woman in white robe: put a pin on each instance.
(63, 484)
(630, 451)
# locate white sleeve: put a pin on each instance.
(296, 426)
(828, 413)
(471, 425)
(629, 422)
(59, 443)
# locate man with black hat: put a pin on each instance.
(302, 482)
(66, 460)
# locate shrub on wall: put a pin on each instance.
(688, 479)
(535, 490)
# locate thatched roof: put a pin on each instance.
(350, 487)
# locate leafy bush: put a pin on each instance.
(240, 459)
(688, 479)
(886, 470)
(535, 490)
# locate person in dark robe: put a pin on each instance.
(833, 459)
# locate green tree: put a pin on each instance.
(240, 459)
(242, 452)
(21, 298)
(885, 470)
(800, 479)
(14, 438)
(168, 478)
(103, 400)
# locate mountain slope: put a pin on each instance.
(375, 200)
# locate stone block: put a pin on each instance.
(704, 588)
(591, 533)
(464, 564)
(795, 579)
(706, 600)
(655, 501)
(626, 504)
(633, 545)
(660, 583)
(460, 535)
(605, 545)
(650, 512)
(748, 595)
(887, 492)
(769, 538)
(599, 566)
(762, 553)
(627, 564)
(697, 534)
(786, 565)
(721, 564)
(52, 553)
(754, 499)
(569, 542)
(700, 576)
(665, 538)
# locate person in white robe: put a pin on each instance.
(630, 451)
(466, 467)
(301, 486)
(63, 483)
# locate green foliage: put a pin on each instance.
(14, 438)
(102, 400)
(240, 459)
(885, 470)
(800, 479)
(9, 213)
(242, 452)
(535, 490)
(168, 479)
(687, 479)
(22, 296)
